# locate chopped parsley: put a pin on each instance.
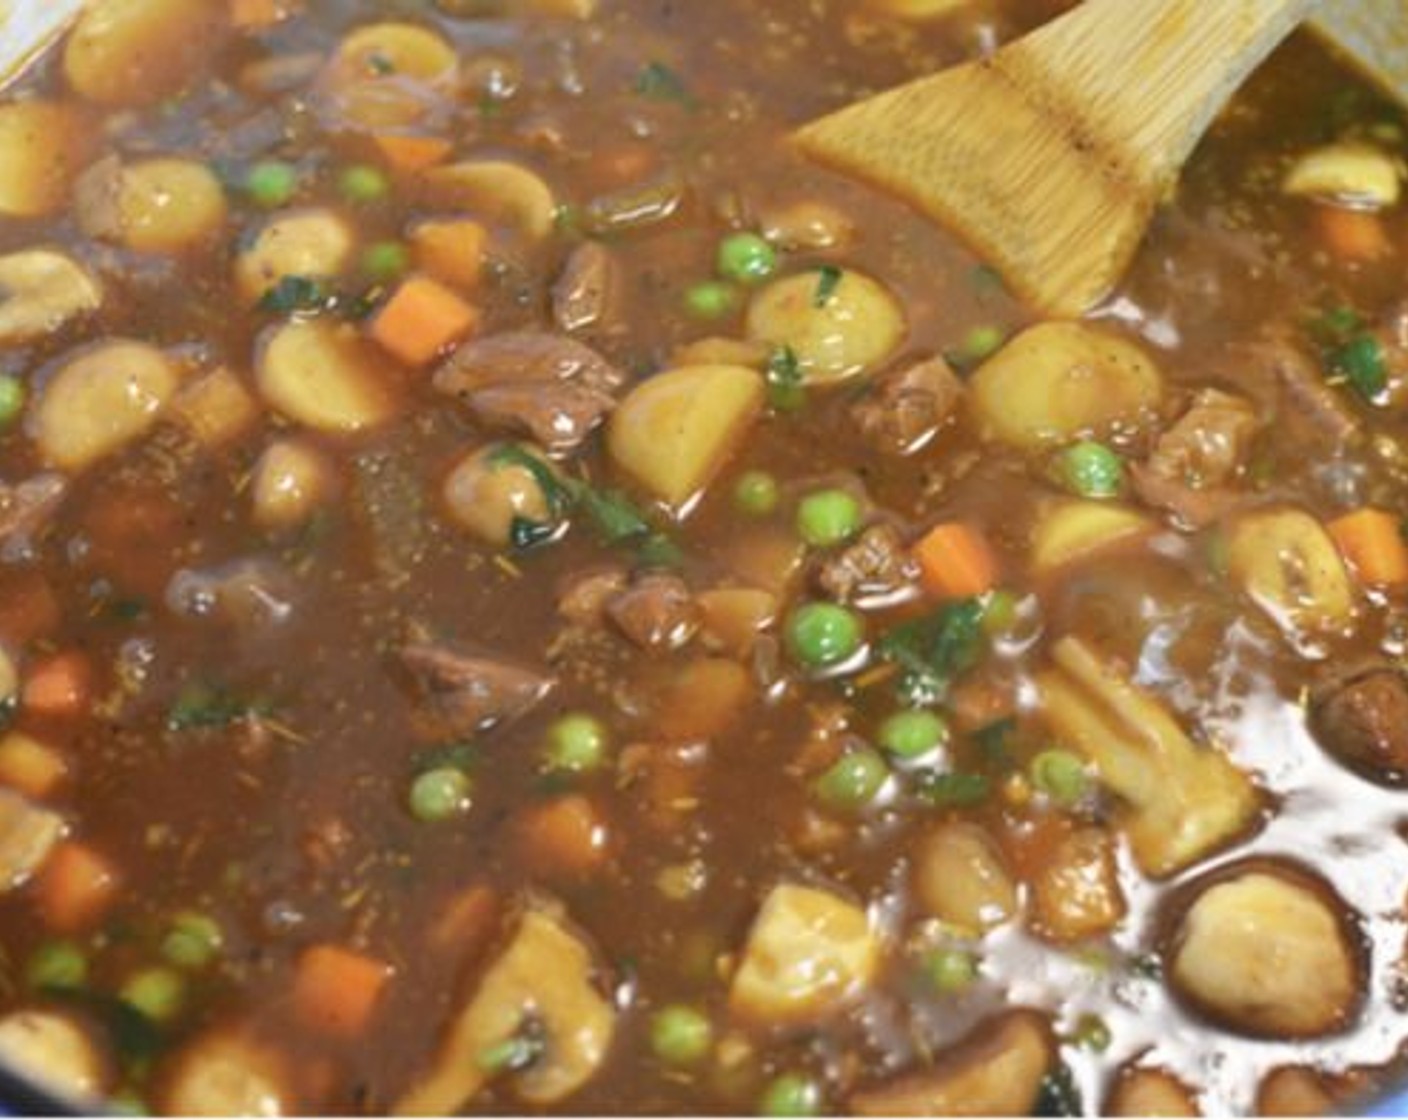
(201, 705)
(934, 650)
(307, 295)
(1059, 1095)
(1349, 351)
(953, 790)
(658, 82)
(786, 393)
(828, 280)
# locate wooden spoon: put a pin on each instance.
(27, 27)
(1050, 155)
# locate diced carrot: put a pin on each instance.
(413, 153)
(251, 15)
(58, 686)
(451, 250)
(466, 923)
(565, 836)
(956, 562)
(1372, 541)
(1353, 235)
(421, 319)
(76, 886)
(336, 990)
(32, 767)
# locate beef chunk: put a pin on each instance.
(25, 510)
(1363, 721)
(876, 567)
(552, 388)
(1195, 464)
(656, 612)
(1304, 400)
(584, 292)
(583, 596)
(908, 406)
(459, 694)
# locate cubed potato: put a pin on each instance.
(996, 1070)
(1269, 952)
(1076, 891)
(138, 52)
(838, 323)
(674, 431)
(101, 400)
(325, 375)
(960, 878)
(42, 146)
(216, 408)
(226, 1073)
(1351, 172)
(56, 1051)
(40, 291)
(1142, 1091)
(1286, 563)
(1294, 1091)
(389, 75)
(768, 557)
(735, 616)
(809, 954)
(547, 971)
(291, 481)
(1071, 531)
(163, 206)
(1059, 382)
(498, 191)
(1181, 801)
(315, 244)
(703, 700)
(28, 834)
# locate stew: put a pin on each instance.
(518, 593)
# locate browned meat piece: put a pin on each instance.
(905, 408)
(25, 508)
(1363, 721)
(583, 596)
(876, 567)
(1305, 399)
(656, 612)
(1195, 463)
(551, 388)
(584, 292)
(460, 694)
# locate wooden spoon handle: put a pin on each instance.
(27, 27)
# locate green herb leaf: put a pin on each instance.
(293, 294)
(953, 790)
(786, 393)
(934, 650)
(828, 279)
(1361, 362)
(203, 705)
(1059, 1095)
(615, 516)
(659, 83)
(556, 493)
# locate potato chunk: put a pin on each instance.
(224, 1073)
(42, 144)
(1076, 891)
(1288, 565)
(326, 376)
(495, 489)
(997, 1070)
(676, 430)
(808, 954)
(316, 244)
(1269, 952)
(1293, 1091)
(138, 52)
(1352, 173)
(961, 878)
(101, 400)
(837, 323)
(163, 206)
(1071, 531)
(1058, 382)
(27, 836)
(40, 291)
(544, 976)
(499, 191)
(291, 480)
(54, 1050)
(1139, 1091)
(1183, 801)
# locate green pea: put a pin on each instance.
(193, 941)
(12, 396)
(1090, 470)
(820, 635)
(386, 260)
(791, 1094)
(982, 342)
(710, 299)
(577, 743)
(999, 612)
(271, 183)
(1092, 1033)
(681, 1035)
(853, 780)
(914, 733)
(828, 517)
(1060, 775)
(440, 794)
(951, 970)
(57, 966)
(157, 993)
(756, 493)
(361, 183)
(747, 258)
(128, 1103)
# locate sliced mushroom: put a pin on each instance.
(961, 878)
(1142, 1091)
(137, 52)
(389, 75)
(1294, 1091)
(1076, 892)
(1269, 951)
(997, 1070)
(226, 1073)
(543, 981)
(314, 244)
(500, 191)
(40, 291)
(164, 206)
(55, 1050)
(291, 481)
(27, 835)
(325, 375)
(1351, 172)
(507, 494)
